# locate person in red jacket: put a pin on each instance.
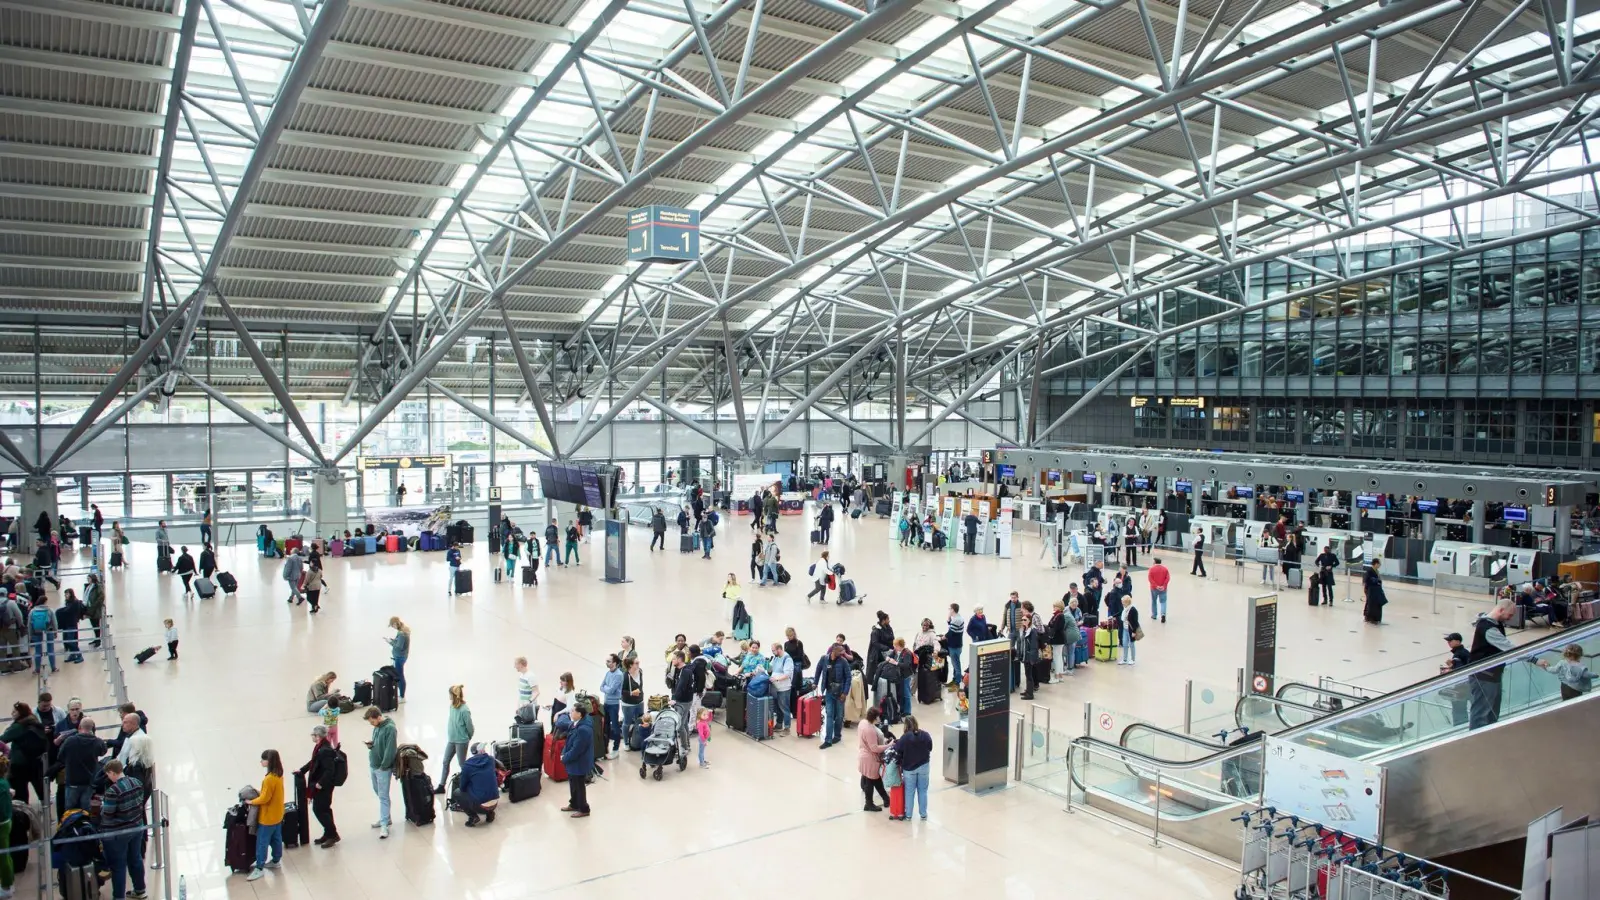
(1159, 579)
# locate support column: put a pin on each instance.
(38, 495)
(1430, 527)
(1563, 543)
(329, 509)
(1480, 519)
(1355, 513)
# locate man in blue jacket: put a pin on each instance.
(478, 792)
(578, 757)
(834, 682)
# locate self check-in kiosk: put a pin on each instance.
(1218, 532)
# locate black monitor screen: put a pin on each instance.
(1294, 496)
(1516, 514)
(1430, 507)
(1183, 486)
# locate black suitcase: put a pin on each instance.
(291, 828)
(686, 543)
(711, 699)
(517, 756)
(1313, 593)
(303, 804)
(21, 824)
(532, 737)
(464, 532)
(499, 573)
(524, 785)
(816, 535)
(116, 559)
(228, 583)
(163, 561)
(929, 690)
(882, 507)
(85, 534)
(734, 709)
(783, 574)
(530, 575)
(239, 845)
(143, 656)
(463, 581)
(385, 689)
(417, 792)
(361, 694)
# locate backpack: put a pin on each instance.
(341, 767)
(39, 619)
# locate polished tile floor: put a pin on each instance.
(779, 816)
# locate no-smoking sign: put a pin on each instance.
(1260, 682)
(1105, 721)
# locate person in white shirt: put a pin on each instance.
(820, 570)
(527, 685)
(781, 667)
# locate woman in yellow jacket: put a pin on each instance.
(269, 825)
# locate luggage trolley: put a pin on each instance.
(1289, 858)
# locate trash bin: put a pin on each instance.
(955, 752)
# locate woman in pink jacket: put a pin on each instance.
(870, 758)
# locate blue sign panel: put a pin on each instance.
(663, 234)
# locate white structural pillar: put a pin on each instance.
(330, 512)
(1563, 542)
(38, 495)
(1480, 521)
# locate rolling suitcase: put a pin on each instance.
(1295, 576)
(530, 575)
(385, 689)
(816, 535)
(686, 543)
(517, 755)
(783, 574)
(143, 656)
(228, 583)
(758, 718)
(735, 704)
(205, 588)
(499, 574)
(116, 559)
(524, 785)
(239, 845)
(82, 882)
(163, 561)
(463, 581)
(808, 718)
(85, 535)
(1313, 593)
(336, 547)
(391, 544)
(553, 766)
(361, 694)
(929, 688)
(417, 792)
(301, 821)
(291, 831)
(897, 801)
(1105, 644)
(532, 737)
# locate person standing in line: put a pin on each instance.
(121, 810)
(457, 734)
(1027, 642)
(269, 822)
(1056, 635)
(380, 758)
(632, 694)
(658, 529)
(1130, 630)
(611, 702)
(834, 684)
(781, 669)
(321, 772)
(68, 616)
(1372, 582)
(955, 632)
(572, 544)
(42, 634)
(1199, 567)
(527, 685)
(1158, 578)
(79, 755)
(94, 600)
(399, 651)
(820, 570)
(870, 745)
(1488, 639)
(294, 567)
(7, 872)
(578, 757)
(915, 749)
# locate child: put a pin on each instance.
(1575, 677)
(172, 639)
(702, 727)
(330, 720)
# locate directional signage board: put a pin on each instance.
(663, 234)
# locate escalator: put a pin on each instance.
(1448, 789)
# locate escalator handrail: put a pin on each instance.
(1519, 654)
(1317, 689)
(1277, 703)
(1178, 736)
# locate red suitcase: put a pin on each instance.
(897, 801)
(292, 544)
(808, 718)
(391, 544)
(552, 758)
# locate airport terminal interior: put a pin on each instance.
(1102, 448)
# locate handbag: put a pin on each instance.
(1138, 634)
(1046, 653)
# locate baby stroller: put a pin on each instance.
(661, 745)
